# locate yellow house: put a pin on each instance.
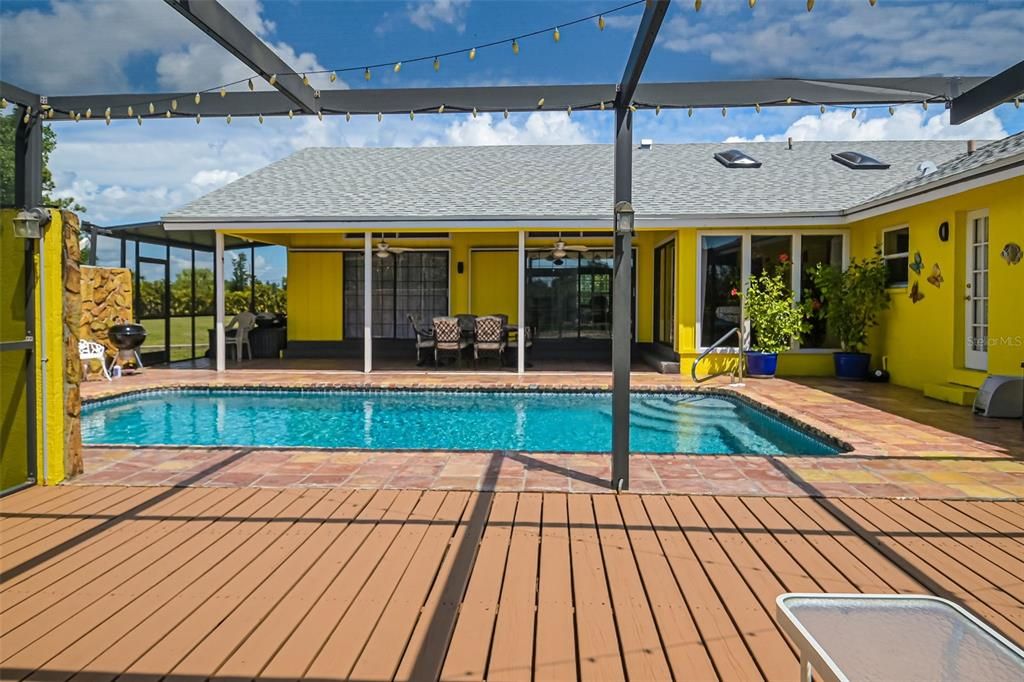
(375, 236)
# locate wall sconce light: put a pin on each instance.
(460, 267)
(624, 218)
(944, 232)
(29, 223)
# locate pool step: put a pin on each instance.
(951, 393)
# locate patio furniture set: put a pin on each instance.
(486, 335)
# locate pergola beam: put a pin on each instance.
(519, 98)
(989, 94)
(215, 21)
(622, 274)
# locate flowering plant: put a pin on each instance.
(851, 299)
(769, 304)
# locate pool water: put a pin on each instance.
(435, 420)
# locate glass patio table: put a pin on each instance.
(855, 637)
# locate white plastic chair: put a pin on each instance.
(242, 323)
(90, 350)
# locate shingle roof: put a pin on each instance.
(559, 182)
(986, 155)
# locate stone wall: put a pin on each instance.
(106, 301)
(70, 329)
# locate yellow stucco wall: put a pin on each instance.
(50, 351)
(314, 296)
(925, 341)
(13, 401)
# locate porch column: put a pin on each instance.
(368, 302)
(521, 306)
(218, 266)
(621, 313)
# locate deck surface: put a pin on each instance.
(191, 583)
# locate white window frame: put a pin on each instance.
(892, 256)
(745, 241)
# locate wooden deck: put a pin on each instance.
(191, 583)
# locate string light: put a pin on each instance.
(78, 117)
(602, 105)
(474, 112)
(397, 67)
(568, 111)
(789, 100)
(291, 114)
(1016, 102)
(822, 108)
(440, 109)
(333, 76)
(106, 115)
(320, 114)
(689, 112)
(872, 2)
(273, 79)
(197, 98)
(198, 118)
(757, 107)
(88, 113)
(223, 92)
(515, 46)
(108, 121)
(261, 119)
(152, 109)
(751, 3)
(174, 105)
(130, 112)
(167, 114)
(472, 54)
(251, 86)
(348, 117)
(505, 114)
(305, 80)
(139, 119)
(853, 114)
(600, 23)
(724, 110)
(3, 103)
(49, 113)
(810, 5)
(412, 115)
(924, 105)
(366, 74)
(25, 119)
(892, 110)
(540, 103)
(632, 107)
(227, 119)
(696, 5)
(657, 110)
(437, 64)
(556, 35)
(380, 117)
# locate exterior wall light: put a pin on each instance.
(29, 223)
(624, 218)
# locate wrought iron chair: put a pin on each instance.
(490, 337)
(424, 338)
(448, 338)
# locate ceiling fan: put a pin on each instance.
(383, 249)
(560, 250)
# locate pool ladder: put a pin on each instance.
(737, 374)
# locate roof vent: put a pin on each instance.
(859, 161)
(734, 158)
(926, 168)
(646, 143)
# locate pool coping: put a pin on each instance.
(841, 446)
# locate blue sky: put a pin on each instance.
(125, 173)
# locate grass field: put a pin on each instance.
(181, 336)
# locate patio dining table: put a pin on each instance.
(862, 637)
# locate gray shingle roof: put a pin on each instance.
(986, 155)
(558, 182)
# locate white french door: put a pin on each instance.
(976, 296)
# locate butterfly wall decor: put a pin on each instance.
(915, 293)
(935, 279)
(917, 264)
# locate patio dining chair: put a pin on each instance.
(448, 338)
(424, 338)
(90, 350)
(237, 331)
(490, 337)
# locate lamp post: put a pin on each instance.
(29, 223)
(624, 218)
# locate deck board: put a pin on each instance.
(185, 584)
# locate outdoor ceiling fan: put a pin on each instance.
(560, 250)
(384, 249)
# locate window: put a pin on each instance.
(896, 252)
(826, 249)
(409, 283)
(734, 158)
(859, 161)
(721, 269)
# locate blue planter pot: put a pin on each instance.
(852, 366)
(762, 364)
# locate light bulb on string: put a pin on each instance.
(380, 117)
(689, 112)
(757, 107)
(198, 118)
(291, 114)
(107, 121)
(273, 79)
(366, 74)
(540, 103)
(822, 109)
(174, 105)
(724, 112)
(130, 111)
(260, 119)
(696, 5)
(924, 105)
(556, 35)
(632, 107)
(472, 54)
(223, 92)
(320, 114)
(810, 5)
(348, 117)
(515, 46)
(789, 100)
(397, 67)
(167, 113)
(334, 76)
(88, 113)
(1016, 102)
(853, 114)
(49, 113)
(568, 111)
(751, 3)
(600, 23)
(440, 109)
(892, 110)
(78, 117)
(227, 119)
(437, 64)
(251, 86)
(305, 80)
(26, 118)
(505, 114)
(106, 114)
(474, 112)
(197, 98)
(872, 2)
(3, 103)
(657, 110)
(602, 105)
(152, 108)
(139, 119)
(412, 115)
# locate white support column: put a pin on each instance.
(368, 303)
(219, 294)
(521, 302)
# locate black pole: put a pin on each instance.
(621, 303)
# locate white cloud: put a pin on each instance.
(539, 128)
(425, 14)
(906, 124)
(852, 38)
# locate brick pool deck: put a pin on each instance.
(903, 445)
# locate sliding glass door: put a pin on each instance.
(665, 294)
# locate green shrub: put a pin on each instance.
(851, 299)
(775, 317)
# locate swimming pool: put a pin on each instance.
(442, 420)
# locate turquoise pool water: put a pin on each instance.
(434, 420)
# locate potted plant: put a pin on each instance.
(850, 301)
(775, 318)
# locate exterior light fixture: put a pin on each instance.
(624, 218)
(29, 223)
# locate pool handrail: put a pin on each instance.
(738, 331)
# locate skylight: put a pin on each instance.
(859, 161)
(734, 158)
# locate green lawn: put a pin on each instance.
(181, 336)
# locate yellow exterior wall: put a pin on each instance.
(50, 309)
(314, 296)
(494, 283)
(925, 341)
(13, 372)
